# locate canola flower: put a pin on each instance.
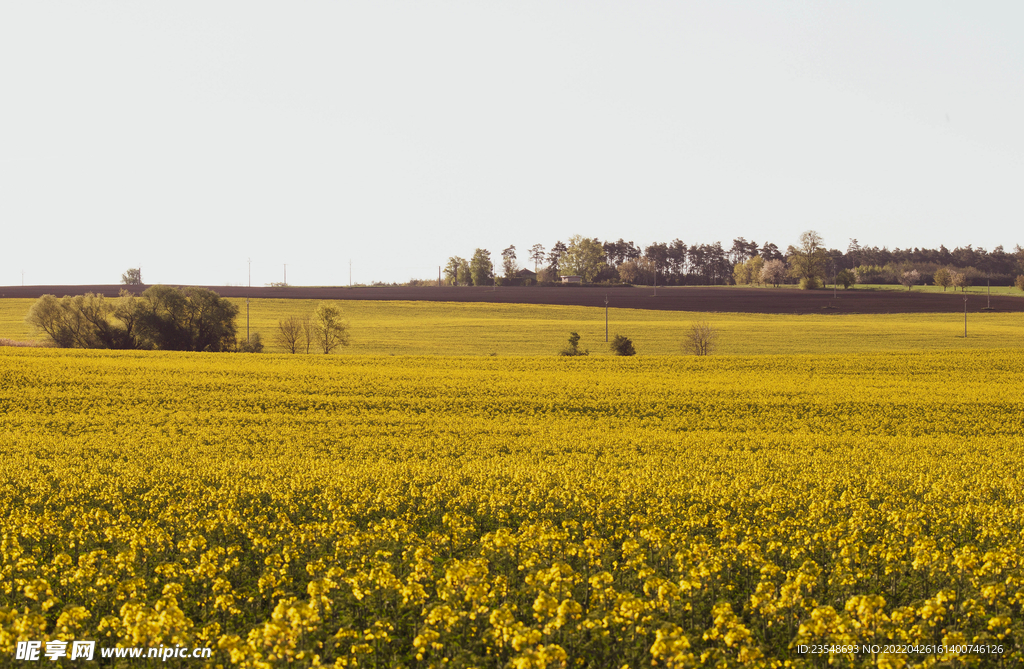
(522, 512)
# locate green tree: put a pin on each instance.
(583, 257)
(573, 349)
(754, 266)
(508, 262)
(187, 319)
(846, 278)
(943, 277)
(133, 277)
(456, 272)
(537, 256)
(330, 330)
(87, 321)
(481, 268)
(58, 319)
(741, 274)
(173, 319)
(807, 261)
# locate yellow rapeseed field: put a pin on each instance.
(516, 511)
(466, 328)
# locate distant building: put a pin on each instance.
(572, 279)
(526, 274)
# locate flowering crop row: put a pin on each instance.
(521, 512)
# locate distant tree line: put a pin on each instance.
(809, 262)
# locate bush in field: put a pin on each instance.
(573, 348)
(846, 278)
(1020, 282)
(622, 345)
(254, 345)
(187, 319)
(88, 321)
(171, 319)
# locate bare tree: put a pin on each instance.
(329, 329)
(701, 338)
(289, 333)
(307, 332)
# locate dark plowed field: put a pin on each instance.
(695, 298)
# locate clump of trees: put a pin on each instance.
(573, 349)
(163, 317)
(133, 277)
(621, 345)
(748, 272)
(325, 330)
(807, 261)
(1020, 282)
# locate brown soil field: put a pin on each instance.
(688, 298)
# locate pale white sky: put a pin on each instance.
(187, 137)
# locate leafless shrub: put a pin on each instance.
(289, 334)
(700, 340)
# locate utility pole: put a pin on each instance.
(350, 273)
(438, 276)
(286, 274)
(247, 291)
(606, 318)
(988, 282)
(965, 317)
(23, 277)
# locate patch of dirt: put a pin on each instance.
(687, 298)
